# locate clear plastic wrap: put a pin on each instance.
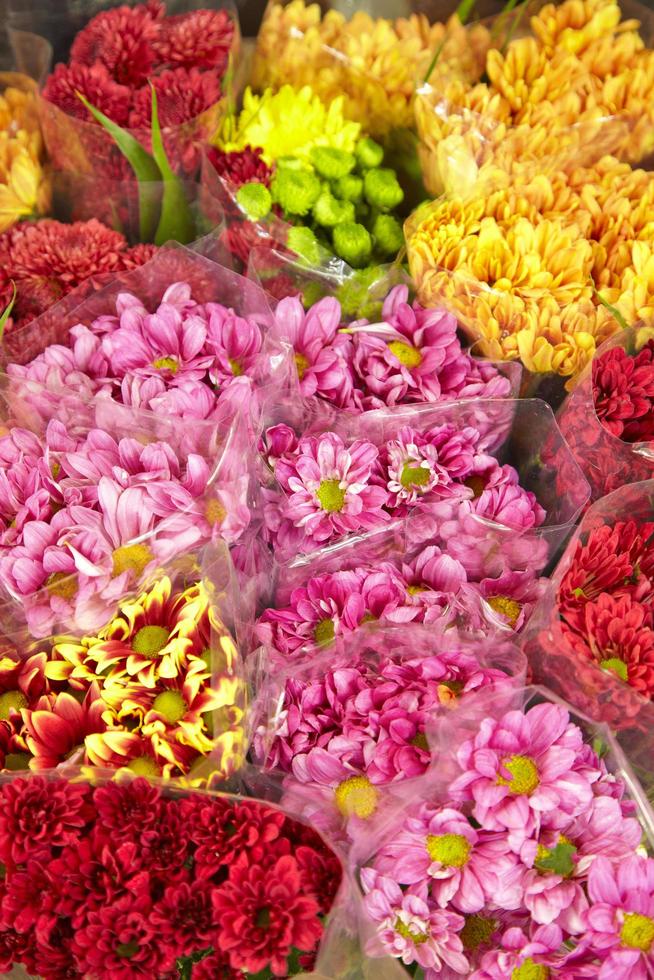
(25, 190)
(608, 448)
(492, 865)
(602, 583)
(158, 688)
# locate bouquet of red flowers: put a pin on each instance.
(116, 880)
(608, 420)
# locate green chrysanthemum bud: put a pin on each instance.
(296, 191)
(255, 200)
(369, 154)
(304, 243)
(291, 163)
(331, 163)
(329, 212)
(354, 294)
(349, 188)
(353, 244)
(388, 235)
(382, 189)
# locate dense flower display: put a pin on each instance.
(155, 691)
(123, 881)
(290, 156)
(113, 61)
(374, 63)
(45, 260)
(527, 865)
(24, 185)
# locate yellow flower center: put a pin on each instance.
(530, 971)
(150, 640)
(420, 741)
(9, 700)
(143, 765)
(524, 775)
(237, 370)
(330, 495)
(417, 589)
(62, 584)
(615, 666)
(17, 760)
(55, 469)
(357, 797)
(414, 476)
(451, 850)
(476, 931)
(131, 558)
(171, 706)
(214, 512)
(449, 691)
(324, 632)
(402, 929)
(477, 484)
(301, 363)
(166, 364)
(505, 607)
(406, 354)
(637, 931)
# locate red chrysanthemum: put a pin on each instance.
(125, 810)
(120, 39)
(182, 94)
(13, 750)
(200, 38)
(119, 943)
(95, 83)
(15, 947)
(38, 814)
(184, 917)
(165, 845)
(620, 638)
(137, 256)
(53, 955)
(240, 237)
(59, 724)
(90, 874)
(55, 251)
(321, 874)
(216, 966)
(22, 682)
(27, 898)
(241, 166)
(261, 914)
(623, 389)
(219, 829)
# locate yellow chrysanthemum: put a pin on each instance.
(288, 122)
(24, 189)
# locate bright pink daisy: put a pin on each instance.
(234, 341)
(523, 957)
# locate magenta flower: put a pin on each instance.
(517, 770)
(412, 929)
(83, 367)
(400, 359)
(432, 578)
(522, 956)
(464, 867)
(323, 357)
(234, 341)
(619, 925)
(481, 380)
(412, 469)
(329, 487)
(507, 599)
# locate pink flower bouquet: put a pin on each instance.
(158, 689)
(348, 722)
(608, 419)
(335, 475)
(521, 857)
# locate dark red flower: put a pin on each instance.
(95, 83)
(55, 251)
(321, 874)
(220, 829)
(59, 723)
(38, 814)
(240, 237)
(216, 966)
(620, 638)
(119, 943)
(125, 810)
(121, 39)
(261, 914)
(241, 166)
(165, 845)
(182, 94)
(27, 896)
(623, 389)
(137, 256)
(14, 754)
(184, 917)
(91, 873)
(15, 947)
(200, 38)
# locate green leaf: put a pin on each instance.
(176, 221)
(516, 21)
(144, 166)
(7, 313)
(612, 310)
(558, 860)
(464, 10)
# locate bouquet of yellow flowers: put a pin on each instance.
(24, 185)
